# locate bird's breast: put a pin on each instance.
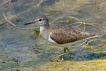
(44, 33)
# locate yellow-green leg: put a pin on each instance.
(66, 50)
(57, 58)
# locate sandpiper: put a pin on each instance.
(58, 34)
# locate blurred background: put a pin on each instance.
(22, 49)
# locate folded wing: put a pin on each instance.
(66, 35)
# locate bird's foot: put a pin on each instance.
(58, 58)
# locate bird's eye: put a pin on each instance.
(40, 19)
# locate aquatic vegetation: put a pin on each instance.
(51, 12)
(20, 50)
(95, 65)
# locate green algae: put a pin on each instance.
(20, 50)
(51, 12)
(95, 65)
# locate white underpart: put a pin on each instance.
(41, 30)
(41, 33)
(49, 39)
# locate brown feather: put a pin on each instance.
(62, 34)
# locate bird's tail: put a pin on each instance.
(90, 35)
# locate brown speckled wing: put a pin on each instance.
(66, 35)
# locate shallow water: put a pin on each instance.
(19, 47)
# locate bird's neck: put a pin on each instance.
(43, 28)
(44, 31)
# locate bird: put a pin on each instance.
(59, 34)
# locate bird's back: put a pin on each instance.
(62, 34)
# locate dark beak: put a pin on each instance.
(29, 23)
